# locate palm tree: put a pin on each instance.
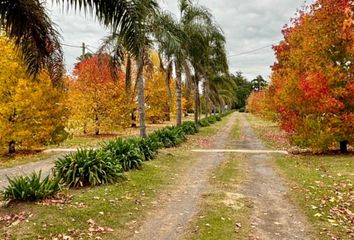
(33, 32)
(137, 45)
(180, 47)
(216, 63)
(170, 44)
(259, 83)
(207, 58)
(222, 90)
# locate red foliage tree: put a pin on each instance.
(312, 80)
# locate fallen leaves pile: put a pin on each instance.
(59, 200)
(94, 228)
(15, 219)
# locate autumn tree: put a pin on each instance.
(159, 101)
(259, 104)
(32, 112)
(312, 81)
(97, 98)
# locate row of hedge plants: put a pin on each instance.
(106, 165)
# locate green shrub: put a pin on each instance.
(212, 119)
(218, 118)
(126, 152)
(87, 168)
(30, 188)
(189, 128)
(242, 110)
(170, 136)
(203, 123)
(149, 146)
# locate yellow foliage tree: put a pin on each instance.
(32, 112)
(97, 101)
(157, 97)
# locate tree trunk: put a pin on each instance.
(12, 147)
(97, 130)
(85, 130)
(196, 101)
(128, 76)
(206, 100)
(168, 88)
(179, 95)
(141, 96)
(343, 146)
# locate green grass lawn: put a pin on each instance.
(120, 207)
(322, 186)
(269, 132)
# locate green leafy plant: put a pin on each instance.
(87, 167)
(30, 188)
(203, 123)
(170, 136)
(149, 146)
(212, 119)
(218, 118)
(189, 128)
(126, 152)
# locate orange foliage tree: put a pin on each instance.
(312, 87)
(97, 98)
(257, 103)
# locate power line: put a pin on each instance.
(89, 49)
(77, 46)
(251, 51)
(69, 45)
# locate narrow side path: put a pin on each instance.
(26, 169)
(172, 218)
(274, 216)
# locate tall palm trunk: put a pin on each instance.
(206, 92)
(196, 99)
(141, 96)
(128, 76)
(179, 95)
(168, 88)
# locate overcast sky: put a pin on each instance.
(248, 25)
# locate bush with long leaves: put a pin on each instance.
(125, 152)
(189, 128)
(203, 123)
(212, 119)
(170, 136)
(149, 146)
(88, 168)
(30, 188)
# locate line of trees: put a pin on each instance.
(190, 49)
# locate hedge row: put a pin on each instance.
(88, 167)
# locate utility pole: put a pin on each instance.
(83, 50)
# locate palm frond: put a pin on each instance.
(28, 25)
